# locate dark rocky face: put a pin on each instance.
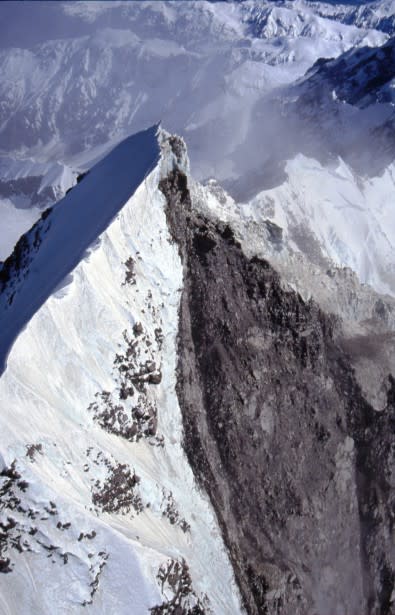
(295, 461)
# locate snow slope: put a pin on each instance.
(74, 223)
(14, 222)
(197, 67)
(99, 506)
(330, 214)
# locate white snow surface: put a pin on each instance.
(58, 365)
(330, 212)
(14, 223)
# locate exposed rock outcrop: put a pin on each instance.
(297, 464)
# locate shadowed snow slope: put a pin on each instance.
(46, 255)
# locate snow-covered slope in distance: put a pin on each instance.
(185, 65)
(27, 187)
(14, 223)
(99, 506)
(231, 78)
(379, 14)
(330, 214)
(325, 163)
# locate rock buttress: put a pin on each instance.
(296, 463)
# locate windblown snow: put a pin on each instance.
(99, 505)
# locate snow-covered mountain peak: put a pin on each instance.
(197, 406)
(96, 489)
(360, 77)
(107, 462)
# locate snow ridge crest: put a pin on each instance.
(76, 222)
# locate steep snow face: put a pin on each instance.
(42, 259)
(329, 213)
(99, 506)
